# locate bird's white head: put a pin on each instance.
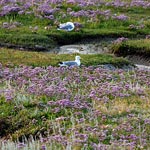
(77, 58)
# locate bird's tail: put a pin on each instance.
(60, 63)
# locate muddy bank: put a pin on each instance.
(139, 60)
(89, 46)
(99, 46)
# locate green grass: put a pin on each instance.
(25, 37)
(22, 115)
(15, 57)
(30, 115)
(28, 41)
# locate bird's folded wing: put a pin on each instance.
(70, 63)
(66, 27)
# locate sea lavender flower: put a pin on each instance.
(138, 3)
(120, 40)
(71, 1)
(62, 118)
(64, 103)
(147, 121)
(21, 145)
(43, 147)
(21, 12)
(78, 25)
(99, 146)
(133, 137)
(9, 94)
(69, 9)
(131, 26)
(27, 5)
(141, 26)
(147, 36)
(60, 139)
(121, 17)
(51, 17)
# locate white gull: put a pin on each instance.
(71, 63)
(69, 26)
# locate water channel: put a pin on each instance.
(100, 46)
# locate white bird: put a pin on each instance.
(68, 26)
(71, 63)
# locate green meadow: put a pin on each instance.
(47, 107)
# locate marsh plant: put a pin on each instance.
(138, 47)
(74, 108)
(87, 107)
(33, 25)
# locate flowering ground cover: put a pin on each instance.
(43, 106)
(33, 25)
(74, 108)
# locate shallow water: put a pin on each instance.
(88, 46)
(83, 49)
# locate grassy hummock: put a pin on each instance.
(139, 47)
(14, 57)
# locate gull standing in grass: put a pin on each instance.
(76, 62)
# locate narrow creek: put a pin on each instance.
(100, 46)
